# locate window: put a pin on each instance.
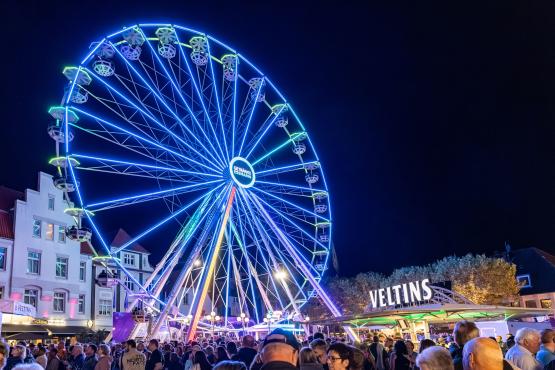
(129, 283)
(59, 302)
(3, 258)
(62, 234)
(546, 303)
(51, 200)
(129, 259)
(49, 231)
(531, 304)
(81, 303)
(1, 292)
(82, 270)
(31, 296)
(104, 307)
(37, 228)
(61, 267)
(33, 262)
(524, 280)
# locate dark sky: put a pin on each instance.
(434, 121)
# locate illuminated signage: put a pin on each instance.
(401, 294)
(241, 172)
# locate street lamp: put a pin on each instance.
(243, 319)
(213, 318)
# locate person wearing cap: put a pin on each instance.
(280, 351)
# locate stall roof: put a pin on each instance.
(436, 313)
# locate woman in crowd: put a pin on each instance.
(308, 360)
(221, 354)
(200, 362)
(399, 359)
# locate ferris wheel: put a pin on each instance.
(172, 130)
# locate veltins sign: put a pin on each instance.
(402, 294)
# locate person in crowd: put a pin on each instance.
(156, 359)
(77, 358)
(200, 361)
(210, 356)
(53, 362)
(379, 352)
(141, 347)
(410, 351)
(435, 358)
(16, 357)
(90, 357)
(41, 358)
(369, 360)
(231, 348)
(308, 360)
(221, 354)
(104, 358)
(280, 351)
(230, 365)
(29, 366)
(340, 356)
(399, 359)
(173, 362)
(191, 356)
(320, 348)
(247, 351)
(546, 354)
(62, 352)
(318, 335)
(131, 358)
(482, 354)
(463, 332)
(510, 341)
(502, 345)
(522, 354)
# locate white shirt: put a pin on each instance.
(42, 361)
(521, 357)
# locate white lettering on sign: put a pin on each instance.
(407, 293)
(242, 172)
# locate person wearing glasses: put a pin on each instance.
(340, 356)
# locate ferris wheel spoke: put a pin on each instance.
(316, 215)
(175, 137)
(179, 92)
(284, 169)
(250, 116)
(256, 239)
(292, 138)
(264, 131)
(145, 197)
(285, 217)
(164, 220)
(143, 139)
(170, 110)
(131, 167)
(302, 190)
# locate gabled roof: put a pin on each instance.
(8, 197)
(123, 237)
(537, 263)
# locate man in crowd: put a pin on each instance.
(16, 358)
(280, 351)
(90, 359)
(482, 354)
(319, 347)
(247, 351)
(435, 358)
(523, 352)
(156, 359)
(41, 357)
(132, 359)
(546, 354)
(380, 354)
(463, 332)
(77, 358)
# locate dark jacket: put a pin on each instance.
(90, 362)
(457, 356)
(278, 365)
(312, 366)
(11, 362)
(77, 363)
(245, 355)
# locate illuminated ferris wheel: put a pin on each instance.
(159, 115)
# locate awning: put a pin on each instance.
(67, 330)
(14, 331)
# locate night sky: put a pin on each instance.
(434, 121)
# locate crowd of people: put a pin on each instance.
(281, 350)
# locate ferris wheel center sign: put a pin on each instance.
(241, 172)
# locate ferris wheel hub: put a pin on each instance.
(242, 172)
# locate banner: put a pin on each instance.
(123, 325)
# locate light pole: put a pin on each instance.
(213, 318)
(243, 319)
(307, 326)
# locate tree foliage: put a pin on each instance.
(481, 279)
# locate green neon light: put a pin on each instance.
(320, 194)
(59, 112)
(57, 161)
(75, 210)
(322, 224)
(104, 258)
(293, 137)
(83, 77)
